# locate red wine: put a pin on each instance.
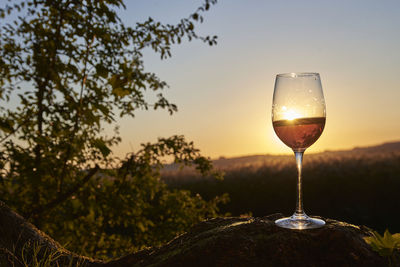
(299, 133)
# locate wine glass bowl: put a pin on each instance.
(298, 118)
(300, 133)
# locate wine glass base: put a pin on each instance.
(300, 222)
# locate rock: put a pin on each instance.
(258, 242)
(216, 242)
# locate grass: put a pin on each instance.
(34, 254)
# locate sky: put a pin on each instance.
(224, 92)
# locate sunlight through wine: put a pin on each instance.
(300, 133)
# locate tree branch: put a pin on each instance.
(63, 197)
(78, 113)
(16, 129)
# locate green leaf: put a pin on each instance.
(121, 92)
(101, 70)
(6, 125)
(385, 244)
(101, 145)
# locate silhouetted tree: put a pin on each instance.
(67, 68)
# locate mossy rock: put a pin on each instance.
(259, 242)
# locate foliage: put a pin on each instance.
(73, 67)
(130, 207)
(385, 245)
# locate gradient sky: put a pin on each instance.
(224, 92)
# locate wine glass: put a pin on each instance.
(298, 118)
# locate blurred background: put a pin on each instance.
(224, 96)
(64, 168)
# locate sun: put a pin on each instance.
(290, 114)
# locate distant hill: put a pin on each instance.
(386, 147)
(255, 161)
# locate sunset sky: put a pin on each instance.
(224, 92)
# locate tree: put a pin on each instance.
(74, 66)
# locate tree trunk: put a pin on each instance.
(216, 242)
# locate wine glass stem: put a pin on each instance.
(299, 164)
